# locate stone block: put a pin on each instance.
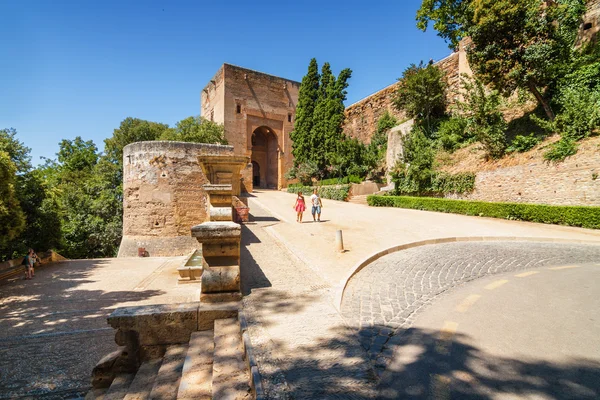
(208, 313)
(190, 273)
(215, 231)
(221, 279)
(157, 324)
(229, 248)
(220, 213)
(220, 297)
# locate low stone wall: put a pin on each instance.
(575, 181)
(363, 188)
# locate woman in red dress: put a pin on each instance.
(299, 206)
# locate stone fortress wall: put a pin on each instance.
(257, 111)
(163, 196)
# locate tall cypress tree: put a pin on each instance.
(307, 100)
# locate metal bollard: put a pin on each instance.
(339, 241)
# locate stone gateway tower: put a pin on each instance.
(257, 111)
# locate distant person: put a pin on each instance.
(315, 199)
(28, 262)
(299, 206)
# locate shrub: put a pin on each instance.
(333, 192)
(444, 183)
(586, 217)
(523, 143)
(339, 181)
(452, 133)
(560, 150)
(580, 112)
(304, 172)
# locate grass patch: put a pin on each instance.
(581, 216)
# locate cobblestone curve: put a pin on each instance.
(386, 295)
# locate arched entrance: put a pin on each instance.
(265, 158)
(255, 174)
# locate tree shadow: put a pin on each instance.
(426, 365)
(53, 328)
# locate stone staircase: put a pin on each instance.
(214, 363)
(358, 199)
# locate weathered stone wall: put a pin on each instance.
(362, 116)
(163, 196)
(244, 100)
(590, 28)
(576, 181)
(394, 146)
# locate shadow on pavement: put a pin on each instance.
(53, 331)
(427, 365)
(251, 275)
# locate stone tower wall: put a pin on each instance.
(163, 196)
(244, 100)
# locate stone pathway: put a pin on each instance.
(387, 294)
(304, 349)
(53, 328)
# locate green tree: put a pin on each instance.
(131, 130)
(413, 174)
(17, 151)
(484, 121)
(12, 218)
(516, 43)
(422, 95)
(303, 123)
(327, 131)
(196, 130)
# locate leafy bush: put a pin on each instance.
(413, 174)
(333, 192)
(485, 122)
(523, 143)
(560, 150)
(304, 172)
(452, 133)
(444, 183)
(580, 112)
(339, 181)
(586, 217)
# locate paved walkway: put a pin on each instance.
(367, 230)
(291, 272)
(53, 328)
(523, 335)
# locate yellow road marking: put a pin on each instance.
(468, 302)
(565, 267)
(446, 333)
(496, 284)
(525, 274)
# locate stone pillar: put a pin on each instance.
(220, 237)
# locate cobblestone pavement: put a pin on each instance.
(387, 294)
(301, 343)
(53, 328)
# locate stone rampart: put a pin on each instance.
(362, 116)
(163, 196)
(576, 181)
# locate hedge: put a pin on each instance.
(333, 192)
(585, 217)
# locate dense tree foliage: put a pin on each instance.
(516, 43)
(74, 204)
(422, 95)
(197, 130)
(303, 123)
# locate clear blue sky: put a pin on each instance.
(78, 68)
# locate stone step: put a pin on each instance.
(96, 394)
(358, 199)
(169, 375)
(196, 381)
(230, 380)
(142, 384)
(118, 388)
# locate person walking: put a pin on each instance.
(28, 262)
(317, 204)
(299, 206)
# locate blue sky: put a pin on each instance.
(78, 68)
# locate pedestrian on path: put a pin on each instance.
(315, 199)
(299, 206)
(28, 262)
